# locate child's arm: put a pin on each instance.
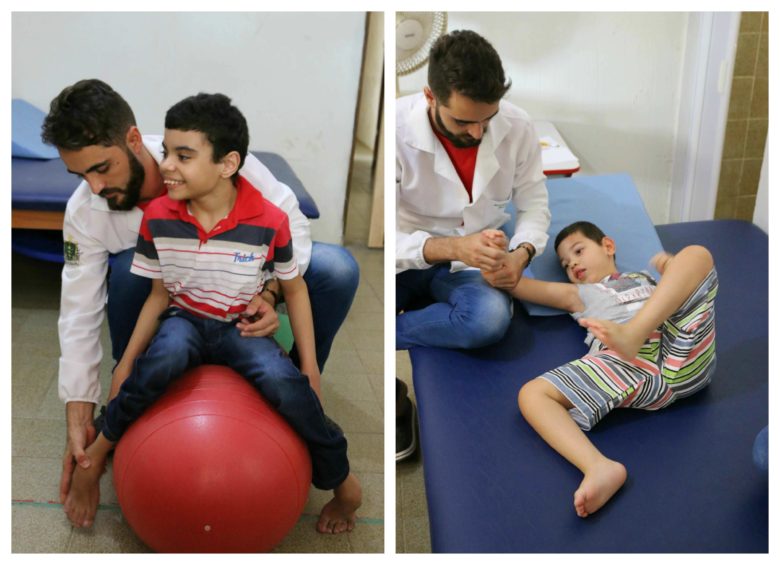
(145, 328)
(563, 296)
(296, 296)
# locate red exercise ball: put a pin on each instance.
(211, 468)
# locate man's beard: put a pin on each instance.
(132, 192)
(462, 141)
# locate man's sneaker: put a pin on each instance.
(405, 424)
(406, 435)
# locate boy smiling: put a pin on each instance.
(209, 246)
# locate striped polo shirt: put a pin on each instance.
(215, 274)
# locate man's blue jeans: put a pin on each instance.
(184, 341)
(332, 279)
(466, 311)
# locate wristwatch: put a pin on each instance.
(274, 294)
(530, 249)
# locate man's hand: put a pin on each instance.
(485, 250)
(511, 271)
(259, 319)
(81, 433)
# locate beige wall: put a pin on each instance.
(295, 76)
(609, 82)
(748, 121)
(371, 84)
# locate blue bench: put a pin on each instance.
(493, 485)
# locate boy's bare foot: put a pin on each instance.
(620, 338)
(84, 494)
(598, 486)
(338, 515)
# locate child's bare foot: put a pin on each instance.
(338, 515)
(598, 486)
(84, 494)
(620, 338)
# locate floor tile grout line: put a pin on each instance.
(113, 507)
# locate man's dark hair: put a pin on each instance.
(464, 62)
(214, 116)
(87, 113)
(589, 230)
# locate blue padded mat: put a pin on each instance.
(284, 173)
(26, 122)
(41, 185)
(494, 486)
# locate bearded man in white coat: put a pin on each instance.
(463, 155)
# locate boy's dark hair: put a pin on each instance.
(215, 117)
(464, 61)
(87, 113)
(589, 230)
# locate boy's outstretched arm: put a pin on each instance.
(145, 328)
(563, 296)
(299, 309)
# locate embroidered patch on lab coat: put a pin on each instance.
(71, 251)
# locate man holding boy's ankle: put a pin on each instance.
(463, 154)
(95, 132)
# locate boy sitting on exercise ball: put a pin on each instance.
(209, 246)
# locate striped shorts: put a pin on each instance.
(677, 360)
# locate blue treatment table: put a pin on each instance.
(494, 486)
(40, 189)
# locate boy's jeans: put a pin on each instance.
(184, 341)
(466, 311)
(332, 279)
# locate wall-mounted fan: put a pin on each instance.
(415, 34)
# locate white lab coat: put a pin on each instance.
(95, 231)
(432, 201)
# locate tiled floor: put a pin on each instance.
(352, 389)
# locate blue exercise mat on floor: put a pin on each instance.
(493, 485)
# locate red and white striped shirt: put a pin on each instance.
(215, 274)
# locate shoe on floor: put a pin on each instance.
(405, 424)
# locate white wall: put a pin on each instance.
(610, 83)
(761, 212)
(293, 75)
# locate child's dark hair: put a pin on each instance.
(465, 62)
(215, 117)
(86, 113)
(589, 230)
